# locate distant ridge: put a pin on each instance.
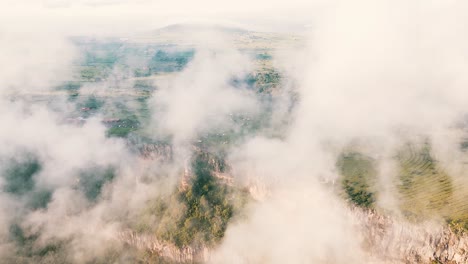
(179, 28)
(185, 34)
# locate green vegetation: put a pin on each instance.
(263, 81)
(426, 190)
(263, 56)
(144, 85)
(19, 176)
(39, 198)
(71, 86)
(93, 103)
(28, 251)
(20, 181)
(198, 214)
(164, 61)
(208, 210)
(92, 73)
(119, 131)
(358, 178)
(93, 180)
(123, 127)
(266, 80)
(109, 57)
(459, 225)
(124, 120)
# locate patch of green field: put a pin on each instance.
(92, 181)
(165, 61)
(119, 131)
(425, 189)
(19, 176)
(93, 73)
(358, 178)
(428, 191)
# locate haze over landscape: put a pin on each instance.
(321, 131)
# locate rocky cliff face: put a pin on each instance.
(168, 251)
(386, 240)
(391, 241)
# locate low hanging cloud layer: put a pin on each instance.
(379, 73)
(201, 97)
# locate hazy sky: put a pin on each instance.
(101, 16)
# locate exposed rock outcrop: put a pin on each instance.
(386, 240)
(392, 241)
(152, 244)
